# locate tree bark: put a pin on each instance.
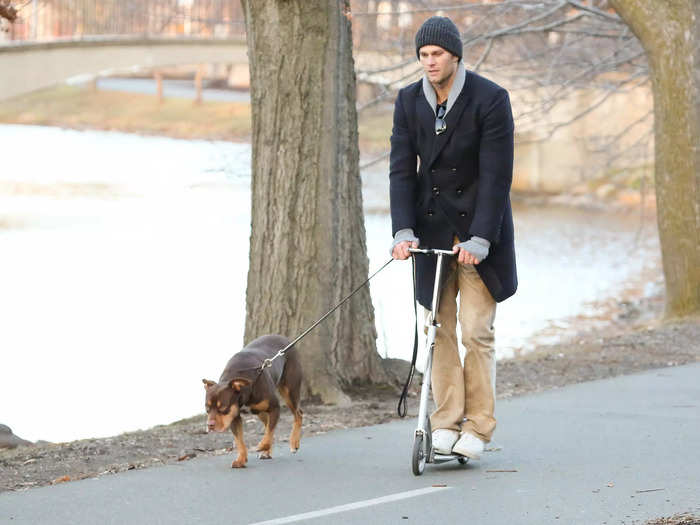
(307, 246)
(670, 34)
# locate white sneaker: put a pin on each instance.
(469, 445)
(444, 439)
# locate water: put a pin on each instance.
(123, 264)
(171, 88)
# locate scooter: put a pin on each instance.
(422, 441)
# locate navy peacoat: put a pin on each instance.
(456, 184)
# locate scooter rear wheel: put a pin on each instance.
(419, 455)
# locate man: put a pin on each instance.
(460, 126)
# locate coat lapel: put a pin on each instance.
(426, 126)
(452, 119)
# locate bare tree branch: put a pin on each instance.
(464, 7)
(484, 55)
(597, 12)
(519, 25)
(375, 160)
(545, 52)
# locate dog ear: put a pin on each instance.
(207, 383)
(239, 383)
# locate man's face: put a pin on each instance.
(438, 64)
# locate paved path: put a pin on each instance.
(609, 452)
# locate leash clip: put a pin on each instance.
(266, 364)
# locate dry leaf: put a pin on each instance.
(62, 479)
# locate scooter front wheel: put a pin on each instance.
(418, 457)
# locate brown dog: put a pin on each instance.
(241, 384)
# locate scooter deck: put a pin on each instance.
(444, 458)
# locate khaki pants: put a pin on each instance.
(468, 390)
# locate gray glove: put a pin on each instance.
(477, 246)
(402, 236)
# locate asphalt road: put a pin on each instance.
(614, 451)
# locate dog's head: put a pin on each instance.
(222, 402)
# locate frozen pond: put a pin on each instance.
(123, 265)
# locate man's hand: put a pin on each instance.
(464, 256)
(401, 252)
(472, 251)
(403, 240)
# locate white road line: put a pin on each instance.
(351, 506)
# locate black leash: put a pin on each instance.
(268, 362)
(401, 408)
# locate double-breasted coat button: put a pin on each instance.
(462, 214)
(436, 191)
(454, 169)
(459, 191)
(430, 213)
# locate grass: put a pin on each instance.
(84, 108)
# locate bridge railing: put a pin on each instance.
(378, 25)
(61, 20)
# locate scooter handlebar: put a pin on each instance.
(431, 251)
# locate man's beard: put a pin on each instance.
(445, 79)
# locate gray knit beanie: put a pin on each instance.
(439, 31)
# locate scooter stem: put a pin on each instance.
(432, 327)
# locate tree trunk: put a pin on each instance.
(670, 34)
(307, 246)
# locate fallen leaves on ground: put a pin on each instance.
(62, 479)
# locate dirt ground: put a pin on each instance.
(632, 340)
(676, 519)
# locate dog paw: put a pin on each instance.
(265, 454)
(239, 463)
